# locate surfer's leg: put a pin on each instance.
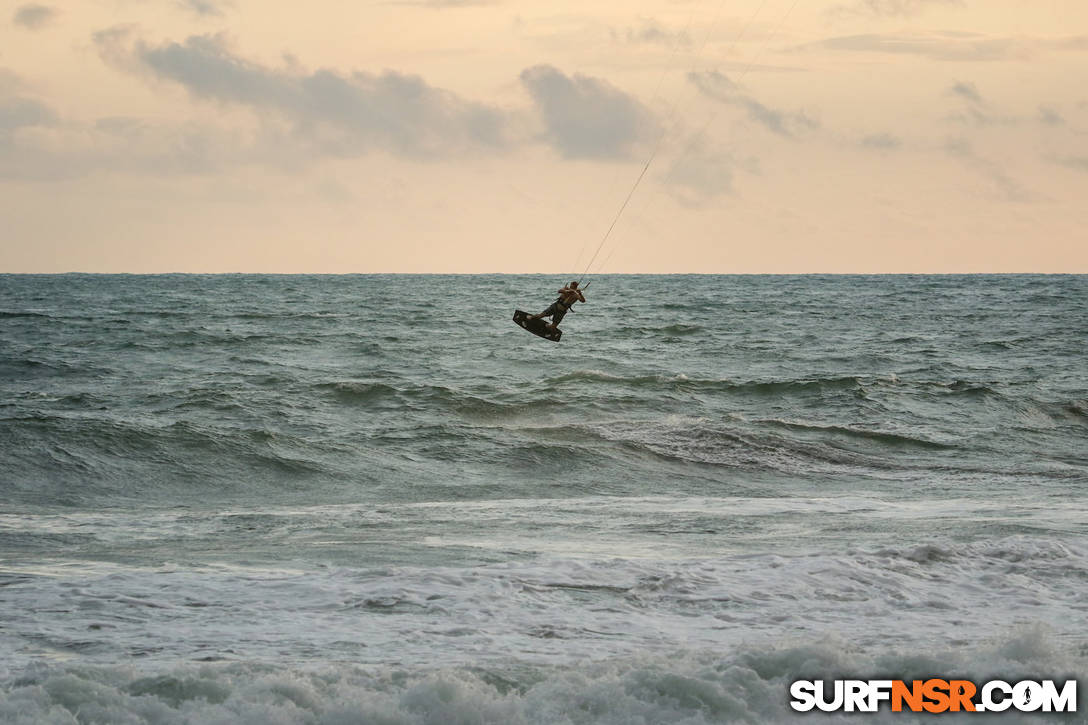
(546, 313)
(557, 312)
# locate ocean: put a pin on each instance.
(374, 499)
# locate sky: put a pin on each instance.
(477, 136)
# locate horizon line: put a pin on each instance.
(542, 274)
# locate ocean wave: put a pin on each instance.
(284, 315)
(832, 432)
(1036, 415)
(15, 314)
(24, 368)
(673, 330)
(360, 392)
(599, 376)
(1072, 412)
(89, 457)
(967, 387)
(1031, 551)
(760, 450)
(204, 336)
(477, 405)
(406, 396)
(745, 684)
(681, 381)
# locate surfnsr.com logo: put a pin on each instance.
(933, 695)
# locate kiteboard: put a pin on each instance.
(538, 327)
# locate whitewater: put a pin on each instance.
(375, 499)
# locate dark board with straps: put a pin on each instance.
(538, 327)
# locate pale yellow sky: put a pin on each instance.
(462, 136)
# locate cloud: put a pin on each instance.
(976, 110)
(586, 117)
(18, 111)
(1050, 117)
(890, 8)
(882, 141)
(347, 114)
(342, 114)
(1077, 163)
(967, 91)
(718, 86)
(1003, 185)
(115, 47)
(46, 147)
(205, 8)
(442, 4)
(652, 32)
(951, 46)
(34, 17)
(37, 144)
(9, 82)
(701, 175)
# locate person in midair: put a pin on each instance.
(568, 295)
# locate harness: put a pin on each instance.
(567, 307)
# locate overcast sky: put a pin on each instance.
(504, 135)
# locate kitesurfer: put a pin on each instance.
(568, 295)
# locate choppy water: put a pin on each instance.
(375, 499)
